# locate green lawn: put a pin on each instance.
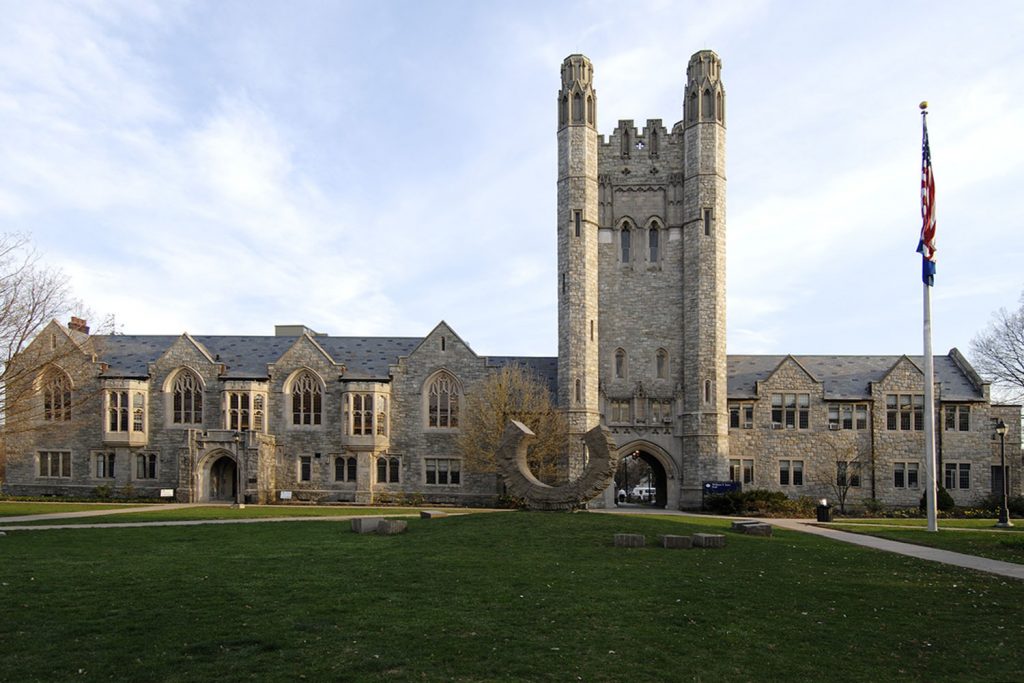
(157, 514)
(515, 596)
(970, 536)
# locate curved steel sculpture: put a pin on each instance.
(597, 474)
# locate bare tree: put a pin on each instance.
(998, 352)
(845, 477)
(41, 380)
(513, 393)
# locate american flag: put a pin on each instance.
(926, 246)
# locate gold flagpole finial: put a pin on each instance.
(923, 105)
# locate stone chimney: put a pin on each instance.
(78, 325)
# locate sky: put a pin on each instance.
(373, 168)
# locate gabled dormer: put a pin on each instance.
(790, 388)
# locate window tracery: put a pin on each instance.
(443, 402)
(307, 400)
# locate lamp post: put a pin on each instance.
(1004, 511)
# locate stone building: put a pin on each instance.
(641, 227)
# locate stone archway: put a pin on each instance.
(662, 472)
(219, 478)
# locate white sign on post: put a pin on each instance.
(286, 495)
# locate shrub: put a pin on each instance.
(511, 502)
(943, 501)
(991, 504)
(760, 502)
(103, 492)
(873, 506)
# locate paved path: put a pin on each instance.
(4, 521)
(981, 564)
(198, 522)
(15, 523)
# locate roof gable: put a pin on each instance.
(187, 346)
(790, 371)
(445, 338)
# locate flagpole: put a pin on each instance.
(927, 249)
(929, 412)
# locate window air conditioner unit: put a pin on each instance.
(833, 428)
(776, 425)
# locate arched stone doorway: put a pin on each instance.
(222, 480)
(645, 465)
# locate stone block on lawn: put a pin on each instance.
(629, 540)
(392, 527)
(741, 524)
(708, 541)
(672, 541)
(758, 529)
(365, 525)
(432, 514)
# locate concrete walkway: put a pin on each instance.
(4, 521)
(981, 564)
(15, 523)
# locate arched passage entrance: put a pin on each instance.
(643, 474)
(221, 480)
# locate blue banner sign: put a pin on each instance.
(714, 488)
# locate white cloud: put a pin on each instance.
(221, 168)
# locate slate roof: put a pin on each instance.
(848, 377)
(544, 368)
(248, 357)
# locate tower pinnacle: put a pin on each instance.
(705, 96)
(577, 101)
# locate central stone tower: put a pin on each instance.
(641, 267)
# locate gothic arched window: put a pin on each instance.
(652, 239)
(620, 364)
(577, 108)
(57, 397)
(693, 106)
(187, 400)
(661, 363)
(625, 240)
(719, 110)
(443, 402)
(306, 400)
(590, 110)
(707, 111)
